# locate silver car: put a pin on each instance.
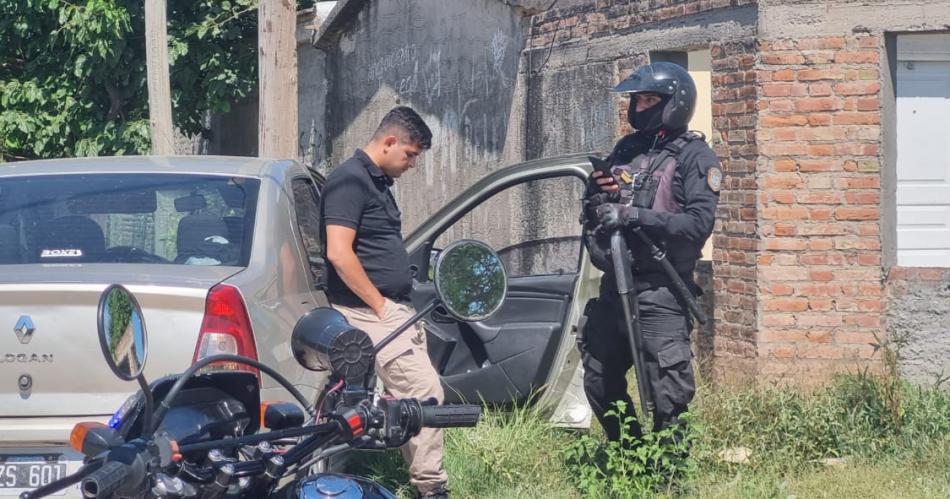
(224, 255)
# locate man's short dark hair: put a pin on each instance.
(408, 121)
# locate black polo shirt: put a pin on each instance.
(357, 195)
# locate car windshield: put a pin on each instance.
(127, 218)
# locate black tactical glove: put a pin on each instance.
(612, 216)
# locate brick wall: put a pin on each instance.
(582, 19)
(819, 204)
(735, 250)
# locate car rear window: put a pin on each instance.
(127, 218)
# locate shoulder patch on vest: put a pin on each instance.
(714, 178)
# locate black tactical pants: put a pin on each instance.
(665, 326)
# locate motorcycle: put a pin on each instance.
(201, 434)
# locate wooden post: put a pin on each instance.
(277, 64)
(159, 88)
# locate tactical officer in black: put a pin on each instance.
(665, 181)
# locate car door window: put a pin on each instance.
(307, 207)
(533, 226)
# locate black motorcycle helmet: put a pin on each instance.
(668, 80)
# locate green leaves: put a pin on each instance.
(73, 74)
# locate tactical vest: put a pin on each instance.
(647, 180)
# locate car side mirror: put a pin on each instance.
(122, 334)
(470, 280)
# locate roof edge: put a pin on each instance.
(335, 23)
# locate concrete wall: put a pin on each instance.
(311, 96)
(918, 322)
(456, 63)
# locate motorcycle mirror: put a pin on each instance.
(470, 280)
(122, 332)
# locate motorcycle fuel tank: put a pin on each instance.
(340, 486)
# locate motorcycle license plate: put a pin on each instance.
(29, 472)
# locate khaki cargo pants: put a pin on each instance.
(406, 372)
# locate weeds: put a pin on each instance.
(517, 454)
(631, 466)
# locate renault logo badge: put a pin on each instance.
(24, 329)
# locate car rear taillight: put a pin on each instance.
(226, 329)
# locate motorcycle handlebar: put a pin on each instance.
(104, 481)
(450, 416)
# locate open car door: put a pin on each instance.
(528, 213)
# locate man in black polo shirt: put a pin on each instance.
(369, 279)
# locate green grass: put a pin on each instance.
(895, 440)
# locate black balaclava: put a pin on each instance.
(651, 119)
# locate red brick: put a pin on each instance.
(783, 134)
(820, 74)
(821, 275)
(784, 213)
(869, 104)
(858, 88)
(784, 273)
(784, 197)
(786, 229)
(852, 149)
(816, 165)
(824, 133)
(858, 274)
(819, 119)
(778, 320)
(857, 213)
(863, 197)
(817, 289)
(818, 197)
(820, 150)
(780, 289)
(862, 320)
(783, 75)
(819, 213)
(824, 229)
(869, 259)
(787, 304)
(871, 229)
(782, 121)
(785, 244)
(836, 42)
(856, 118)
(778, 105)
(782, 336)
(780, 352)
(784, 90)
(819, 89)
(858, 243)
(820, 244)
(823, 259)
(782, 59)
(866, 182)
(862, 57)
(820, 320)
(856, 337)
(819, 57)
(821, 305)
(781, 181)
(817, 104)
(785, 165)
(777, 149)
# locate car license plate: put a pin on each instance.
(30, 472)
